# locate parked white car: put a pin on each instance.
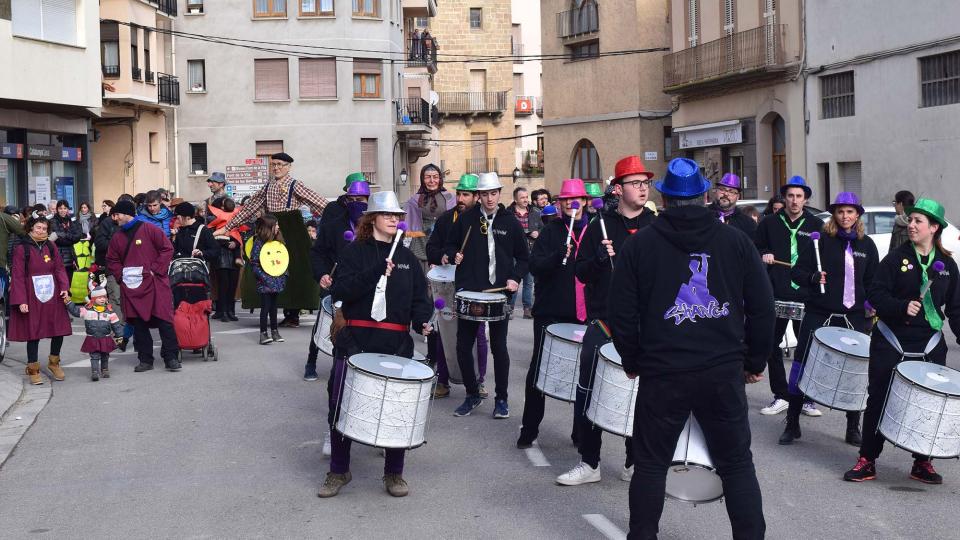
(878, 223)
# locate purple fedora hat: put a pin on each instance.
(359, 189)
(731, 181)
(846, 198)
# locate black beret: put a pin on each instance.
(282, 156)
(124, 207)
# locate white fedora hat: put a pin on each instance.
(489, 181)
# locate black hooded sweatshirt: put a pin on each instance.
(330, 242)
(773, 237)
(510, 248)
(555, 296)
(737, 220)
(593, 263)
(360, 266)
(832, 252)
(689, 294)
(441, 228)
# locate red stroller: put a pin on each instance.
(190, 281)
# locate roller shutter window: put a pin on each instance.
(851, 176)
(272, 79)
(269, 148)
(318, 78)
(50, 20)
(368, 159)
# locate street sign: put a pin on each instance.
(239, 191)
(253, 171)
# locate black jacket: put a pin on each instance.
(359, 269)
(555, 294)
(101, 240)
(593, 264)
(738, 220)
(441, 228)
(183, 243)
(68, 234)
(329, 243)
(335, 210)
(895, 284)
(510, 250)
(832, 251)
(689, 294)
(773, 237)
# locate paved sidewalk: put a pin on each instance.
(20, 404)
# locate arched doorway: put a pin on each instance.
(778, 136)
(586, 162)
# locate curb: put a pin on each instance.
(11, 387)
(17, 419)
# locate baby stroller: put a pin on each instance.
(190, 281)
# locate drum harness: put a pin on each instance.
(605, 328)
(895, 343)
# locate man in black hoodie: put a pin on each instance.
(778, 239)
(691, 312)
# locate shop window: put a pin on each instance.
(476, 18)
(316, 8)
(272, 79)
(586, 162)
(366, 78)
(198, 158)
(836, 94)
(940, 79)
(197, 75)
(267, 9)
(318, 78)
(49, 20)
(366, 8)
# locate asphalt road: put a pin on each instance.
(232, 449)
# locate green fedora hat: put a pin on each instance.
(930, 208)
(353, 177)
(468, 182)
(593, 189)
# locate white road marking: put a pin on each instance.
(536, 457)
(239, 331)
(605, 526)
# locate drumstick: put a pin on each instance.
(938, 267)
(463, 246)
(598, 204)
(349, 236)
(575, 205)
(401, 227)
(438, 305)
(788, 265)
(498, 289)
(815, 236)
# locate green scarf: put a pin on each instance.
(794, 251)
(929, 310)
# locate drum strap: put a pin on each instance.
(379, 325)
(603, 328)
(895, 343)
(829, 321)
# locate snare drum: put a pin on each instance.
(385, 400)
(614, 396)
(922, 410)
(480, 306)
(691, 476)
(559, 369)
(835, 371)
(321, 338)
(789, 310)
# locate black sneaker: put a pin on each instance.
(265, 338)
(865, 469)
(923, 471)
(172, 365)
(525, 442)
(143, 366)
(310, 372)
(790, 433)
(468, 405)
(232, 316)
(276, 336)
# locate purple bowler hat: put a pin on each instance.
(731, 181)
(846, 198)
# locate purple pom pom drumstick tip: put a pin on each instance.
(597, 203)
(439, 303)
(402, 226)
(814, 236)
(575, 205)
(348, 236)
(938, 266)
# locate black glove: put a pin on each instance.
(602, 254)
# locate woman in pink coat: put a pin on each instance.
(38, 285)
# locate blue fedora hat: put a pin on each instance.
(796, 181)
(683, 180)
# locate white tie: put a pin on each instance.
(491, 250)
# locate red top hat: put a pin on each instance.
(573, 189)
(630, 165)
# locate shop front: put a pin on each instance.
(723, 147)
(36, 168)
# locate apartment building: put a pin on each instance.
(49, 92)
(476, 114)
(883, 105)
(130, 148)
(733, 70)
(527, 90)
(600, 108)
(326, 96)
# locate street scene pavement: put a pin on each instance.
(232, 449)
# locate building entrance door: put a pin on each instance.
(779, 135)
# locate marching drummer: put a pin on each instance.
(909, 323)
(691, 337)
(726, 193)
(778, 240)
(559, 297)
(847, 260)
(364, 330)
(631, 186)
(490, 250)
(466, 199)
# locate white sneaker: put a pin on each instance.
(581, 474)
(810, 409)
(776, 406)
(627, 474)
(326, 444)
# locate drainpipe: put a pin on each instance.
(176, 117)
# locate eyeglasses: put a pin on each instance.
(279, 165)
(726, 190)
(638, 183)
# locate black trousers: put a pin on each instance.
(716, 396)
(883, 360)
(33, 348)
(589, 436)
(227, 279)
(535, 400)
(268, 309)
(466, 337)
(143, 341)
(776, 372)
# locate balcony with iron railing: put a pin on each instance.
(422, 53)
(168, 7)
(137, 74)
(527, 105)
(149, 77)
(480, 165)
(473, 103)
(532, 162)
(168, 89)
(370, 177)
(739, 57)
(577, 23)
(413, 115)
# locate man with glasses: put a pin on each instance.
(726, 193)
(489, 248)
(283, 196)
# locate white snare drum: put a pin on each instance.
(922, 411)
(441, 279)
(385, 400)
(789, 310)
(419, 357)
(559, 369)
(614, 396)
(835, 371)
(691, 477)
(480, 306)
(321, 338)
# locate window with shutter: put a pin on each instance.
(368, 159)
(366, 8)
(693, 22)
(316, 8)
(265, 9)
(49, 20)
(146, 55)
(198, 158)
(272, 80)
(110, 49)
(729, 17)
(940, 79)
(318, 78)
(269, 148)
(135, 52)
(851, 176)
(197, 75)
(366, 78)
(837, 98)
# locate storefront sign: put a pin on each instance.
(717, 134)
(11, 151)
(649, 156)
(43, 152)
(70, 153)
(240, 191)
(253, 171)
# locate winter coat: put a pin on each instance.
(161, 219)
(737, 220)
(833, 261)
(142, 274)
(10, 227)
(773, 237)
(266, 283)
(326, 248)
(555, 296)
(510, 250)
(37, 279)
(183, 243)
(101, 240)
(99, 322)
(899, 236)
(68, 234)
(87, 223)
